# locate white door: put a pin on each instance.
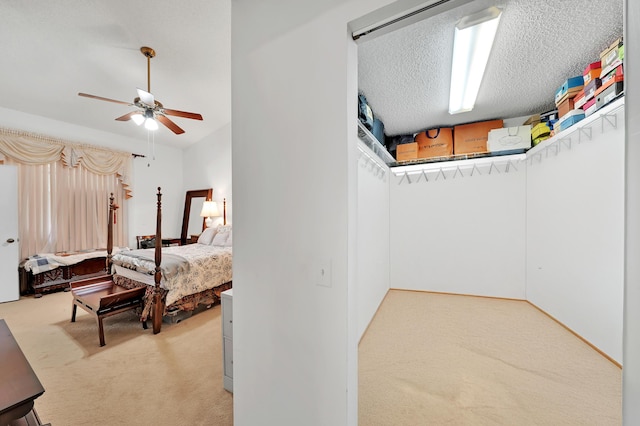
(9, 252)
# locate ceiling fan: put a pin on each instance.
(149, 109)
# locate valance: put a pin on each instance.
(28, 148)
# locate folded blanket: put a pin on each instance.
(144, 261)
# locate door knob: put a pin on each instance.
(11, 240)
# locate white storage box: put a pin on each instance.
(510, 139)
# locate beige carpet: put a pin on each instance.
(172, 378)
(436, 359)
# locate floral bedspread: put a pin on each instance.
(207, 267)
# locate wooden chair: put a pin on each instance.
(102, 298)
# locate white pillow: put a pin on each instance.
(229, 241)
(207, 236)
(220, 238)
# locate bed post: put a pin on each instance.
(157, 297)
(110, 234)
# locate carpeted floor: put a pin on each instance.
(172, 378)
(437, 359)
(426, 359)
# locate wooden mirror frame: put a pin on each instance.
(207, 194)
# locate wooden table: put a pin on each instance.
(19, 385)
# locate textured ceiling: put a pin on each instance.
(405, 74)
(51, 50)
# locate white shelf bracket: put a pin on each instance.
(584, 131)
(493, 166)
(440, 172)
(475, 169)
(405, 176)
(612, 119)
(566, 142)
(509, 165)
(458, 171)
(426, 179)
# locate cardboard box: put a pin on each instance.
(571, 86)
(472, 138)
(611, 81)
(591, 71)
(590, 89)
(579, 100)
(565, 106)
(540, 130)
(512, 139)
(407, 151)
(533, 120)
(616, 72)
(433, 143)
(590, 107)
(609, 94)
(571, 118)
(611, 57)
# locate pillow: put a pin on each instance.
(220, 238)
(207, 236)
(229, 241)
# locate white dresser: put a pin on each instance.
(227, 338)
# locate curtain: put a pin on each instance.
(63, 193)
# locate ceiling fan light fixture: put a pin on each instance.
(138, 119)
(472, 45)
(150, 124)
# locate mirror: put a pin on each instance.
(192, 223)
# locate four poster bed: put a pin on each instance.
(177, 278)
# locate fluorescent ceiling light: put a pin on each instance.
(472, 44)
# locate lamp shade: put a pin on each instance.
(209, 209)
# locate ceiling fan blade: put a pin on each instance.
(146, 97)
(184, 114)
(127, 116)
(100, 98)
(170, 124)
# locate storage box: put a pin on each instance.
(579, 100)
(407, 151)
(590, 89)
(565, 106)
(609, 94)
(590, 107)
(533, 120)
(472, 138)
(591, 71)
(571, 86)
(569, 120)
(545, 117)
(436, 142)
(539, 130)
(610, 81)
(512, 139)
(611, 57)
(617, 72)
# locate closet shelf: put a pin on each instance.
(374, 145)
(606, 117)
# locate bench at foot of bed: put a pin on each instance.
(102, 298)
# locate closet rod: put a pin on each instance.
(396, 22)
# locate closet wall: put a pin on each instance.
(575, 233)
(373, 236)
(462, 234)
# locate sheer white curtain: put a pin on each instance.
(63, 194)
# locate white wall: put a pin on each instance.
(631, 372)
(207, 164)
(373, 239)
(295, 193)
(164, 171)
(460, 234)
(575, 236)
